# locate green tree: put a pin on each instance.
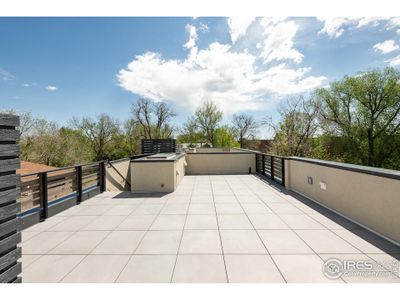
(225, 137)
(208, 117)
(134, 134)
(189, 133)
(365, 110)
(297, 126)
(76, 147)
(102, 134)
(46, 143)
(43, 144)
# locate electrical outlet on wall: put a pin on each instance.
(322, 185)
(310, 180)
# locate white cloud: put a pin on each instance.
(6, 76)
(51, 88)
(29, 84)
(334, 27)
(369, 21)
(203, 27)
(238, 26)
(235, 79)
(278, 43)
(192, 36)
(386, 46)
(394, 62)
(393, 23)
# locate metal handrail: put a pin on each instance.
(115, 169)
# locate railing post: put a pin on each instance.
(272, 167)
(78, 171)
(102, 175)
(44, 201)
(283, 170)
(263, 164)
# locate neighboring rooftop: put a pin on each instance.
(30, 167)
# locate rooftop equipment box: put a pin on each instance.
(158, 173)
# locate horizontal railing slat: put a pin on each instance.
(9, 258)
(10, 150)
(67, 181)
(10, 242)
(11, 164)
(11, 274)
(9, 135)
(9, 181)
(9, 195)
(90, 175)
(9, 227)
(9, 120)
(54, 177)
(9, 210)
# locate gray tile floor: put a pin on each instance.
(216, 228)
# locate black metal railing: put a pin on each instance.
(271, 166)
(39, 190)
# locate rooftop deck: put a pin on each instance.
(213, 228)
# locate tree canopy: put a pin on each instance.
(355, 119)
(365, 110)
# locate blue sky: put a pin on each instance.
(59, 68)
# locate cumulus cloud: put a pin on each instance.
(234, 79)
(394, 62)
(386, 46)
(238, 26)
(333, 27)
(278, 43)
(51, 88)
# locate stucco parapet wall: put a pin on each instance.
(393, 174)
